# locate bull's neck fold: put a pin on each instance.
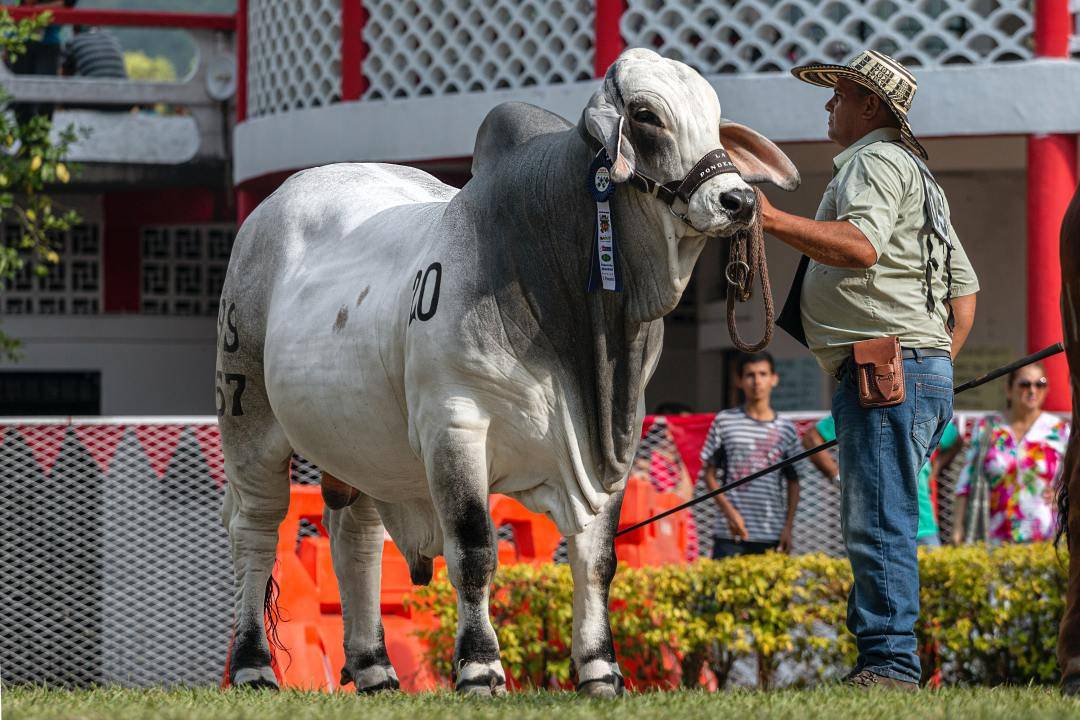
(605, 343)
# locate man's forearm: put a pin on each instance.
(792, 502)
(836, 243)
(823, 461)
(724, 504)
(959, 509)
(711, 484)
(964, 314)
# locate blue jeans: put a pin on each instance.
(881, 452)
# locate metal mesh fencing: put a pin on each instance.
(668, 454)
(114, 561)
(115, 568)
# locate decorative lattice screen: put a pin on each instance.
(183, 268)
(294, 54)
(72, 286)
(439, 47)
(740, 36)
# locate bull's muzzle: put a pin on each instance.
(740, 204)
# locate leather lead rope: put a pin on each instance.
(745, 260)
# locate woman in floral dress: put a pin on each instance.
(1018, 455)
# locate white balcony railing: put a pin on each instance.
(417, 48)
(740, 36)
(294, 55)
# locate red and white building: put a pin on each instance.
(127, 324)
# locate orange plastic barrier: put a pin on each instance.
(310, 601)
(660, 543)
(535, 536)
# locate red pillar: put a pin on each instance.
(245, 203)
(243, 198)
(1051, 167)
(1051, 180)
(241, 59)
(609, 41)
(1052, 28)
(353, 50)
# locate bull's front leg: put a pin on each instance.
(593, 563)
(457, 475)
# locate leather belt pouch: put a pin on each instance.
(879, 369)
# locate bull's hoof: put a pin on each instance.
(376, 678)
(481, 688)
(388, 685)
(255, 678)
(480, 679)
(600, 679)
(1071, 686)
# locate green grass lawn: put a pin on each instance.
(828, 704)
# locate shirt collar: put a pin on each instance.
(878, 135)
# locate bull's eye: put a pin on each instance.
(648, 117)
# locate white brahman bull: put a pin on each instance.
(428, 346)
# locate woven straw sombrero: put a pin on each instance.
(880, 74)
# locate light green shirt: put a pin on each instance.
(877, 187)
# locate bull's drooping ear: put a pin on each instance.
(603, 122)
(757, 157)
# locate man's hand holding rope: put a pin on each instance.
(836, 242)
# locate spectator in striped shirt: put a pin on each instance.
(94, 53)
(759, 515)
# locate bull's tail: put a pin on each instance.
(274, 617)
(1063, 513)
(1069, 474)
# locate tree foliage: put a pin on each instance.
(31, 160)
(140, 66)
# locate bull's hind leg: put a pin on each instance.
(256, 501)
(356, 545)
(457, 474)
(593, 562)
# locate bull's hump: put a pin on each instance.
(508, 126)
(326, 208)
(368, 187)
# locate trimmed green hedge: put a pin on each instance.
(987, 618)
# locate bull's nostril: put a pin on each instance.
(732, 202)
(739, 204)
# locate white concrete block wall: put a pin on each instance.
(150, 365)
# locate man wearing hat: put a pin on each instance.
(881, 260)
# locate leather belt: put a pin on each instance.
(916, 353)
(905, 353)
